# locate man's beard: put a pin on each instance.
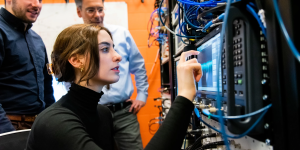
(20, 13)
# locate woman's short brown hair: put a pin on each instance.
(79, 39)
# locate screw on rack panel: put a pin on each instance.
(268, 142)
(238, 146)
(263, 81)
(231, 142)
(265, 97)
(266, 126)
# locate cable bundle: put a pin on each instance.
(191, 10)
(154, 30)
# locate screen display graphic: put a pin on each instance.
(208, 59)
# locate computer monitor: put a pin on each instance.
(209, 51)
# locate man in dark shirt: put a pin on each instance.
(25, 86)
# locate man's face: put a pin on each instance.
(92, 12)
(27, 10)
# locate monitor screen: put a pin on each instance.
(208, 59)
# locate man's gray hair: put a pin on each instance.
(79, 3)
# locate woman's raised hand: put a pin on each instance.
(187, 73)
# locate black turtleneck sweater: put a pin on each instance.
(77, 122)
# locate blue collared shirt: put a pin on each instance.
(25, 86)
(132, 63)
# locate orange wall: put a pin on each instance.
(138, 16)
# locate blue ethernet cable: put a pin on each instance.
(219, 101)
(221, 17)
(190, 10)
(285, 33)
(168, 28)
(187, 20)
(198, 9)
(252, 4)
(232, 136)
(179, 26)
(255, 15)
(210, 3)
(206, 112)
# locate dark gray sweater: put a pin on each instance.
(77, 122)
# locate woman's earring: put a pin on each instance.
(81, 69)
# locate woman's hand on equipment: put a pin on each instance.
(187, 73)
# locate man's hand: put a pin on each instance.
(136, 105)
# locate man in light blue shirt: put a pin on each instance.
(117, 98)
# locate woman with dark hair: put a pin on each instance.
(84, 55)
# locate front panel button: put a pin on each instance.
(240, 63)
(240, 81)
(240, 76)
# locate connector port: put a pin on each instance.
(241, 93)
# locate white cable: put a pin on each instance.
(215, 24)
(261, 14)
